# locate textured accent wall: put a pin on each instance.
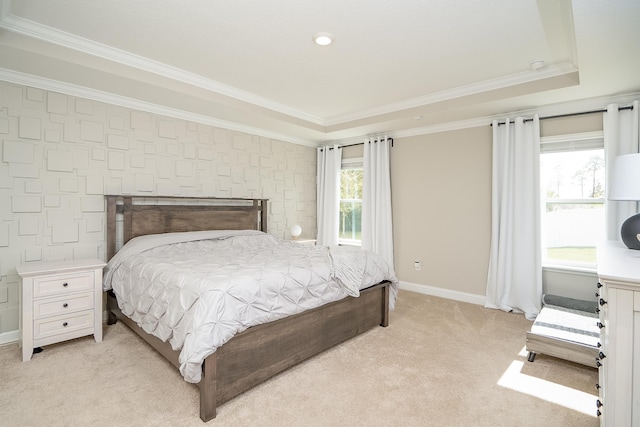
(60, 155)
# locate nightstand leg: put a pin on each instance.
(26, 353)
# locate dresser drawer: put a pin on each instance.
(48, 307)
(62, 324)
(62, 283)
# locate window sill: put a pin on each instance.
(585, 271)
(349, 243)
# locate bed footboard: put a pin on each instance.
(263, 351)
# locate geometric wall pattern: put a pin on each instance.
(60, 154)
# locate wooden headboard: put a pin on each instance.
(140, 215)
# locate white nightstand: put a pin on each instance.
(59, 301)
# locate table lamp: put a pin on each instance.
(625, 185)
(295, 231)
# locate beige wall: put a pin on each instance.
(61, 154)
(441, 186)
(353, 151)
(570, 125)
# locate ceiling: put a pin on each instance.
(400, 68)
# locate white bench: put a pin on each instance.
(565, 328)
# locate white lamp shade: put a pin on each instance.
(625, 178)
(295, 230)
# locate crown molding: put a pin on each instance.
(109, 98)
(51, 35)
(574, 107)
(547, 72)
(31, 29)
(15, 77)
(571, 107)
(70, 41)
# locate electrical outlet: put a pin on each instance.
(417, 265)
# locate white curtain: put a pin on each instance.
(621, 136)
(328, 194)
(514, 280)
(377, 224)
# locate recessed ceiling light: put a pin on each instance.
(323, 39)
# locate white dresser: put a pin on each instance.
(59, 301)
(619, 359)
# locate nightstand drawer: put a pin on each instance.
(62, 305)
(62, 324)
(62, 283)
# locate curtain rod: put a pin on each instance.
(357, 143)
(629, 107)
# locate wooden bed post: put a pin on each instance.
(111, 227)
(263, 214)
(208, 395)
(385, 305)
(126, 220)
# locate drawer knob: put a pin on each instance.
(602, 302)
(599, 344)
(601, 355)
(598, 386)
(65, 305)
(65, 324)
(597, 310)
(599, 285)
(65, 284)
(600, 325)
(598, 364)
(597, 295)
(598, 413)
(598, 403)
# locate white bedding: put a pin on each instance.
(198, 289)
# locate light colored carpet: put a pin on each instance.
(439, 363)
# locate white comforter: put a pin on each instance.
(199, 289)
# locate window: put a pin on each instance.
(572, 183)
(350, 202)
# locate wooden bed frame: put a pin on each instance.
(259, 352)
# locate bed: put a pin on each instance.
(257, 352)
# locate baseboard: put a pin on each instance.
(9, 337)
(14, 336)
(443, 293)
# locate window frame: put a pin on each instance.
(566, 143)
(350, 163)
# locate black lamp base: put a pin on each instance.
(630, 232)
